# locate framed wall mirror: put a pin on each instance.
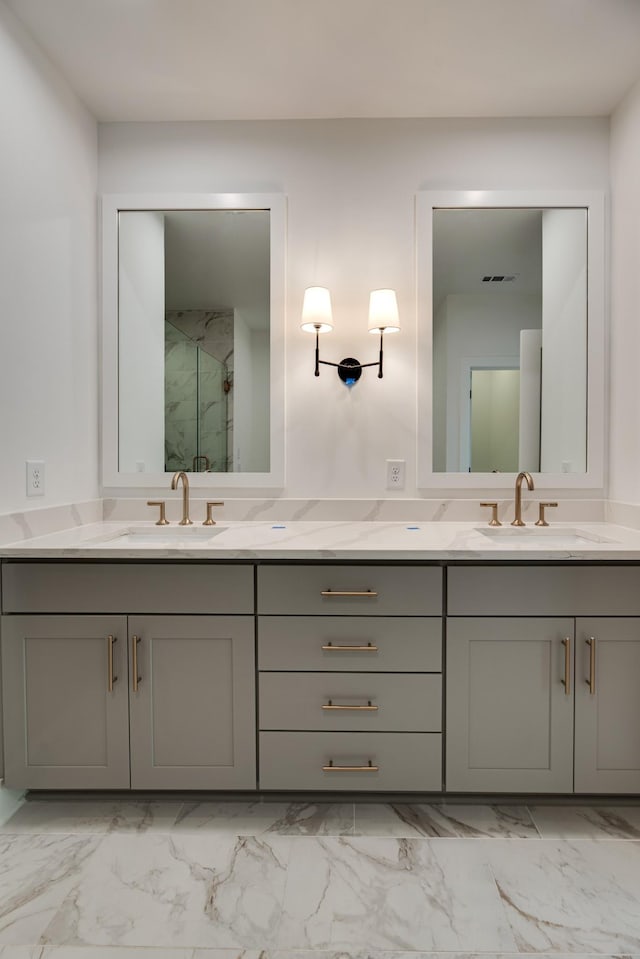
(193, 339)
(510, 338)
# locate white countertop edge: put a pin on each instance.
(380, 541)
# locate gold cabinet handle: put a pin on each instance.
(368, 708)
(369, 648)
(112, 679)
(332, 768)
(367, 593)
(591, 681)
(134, 655)
(209, 521)
(494, 521)
(566, 682)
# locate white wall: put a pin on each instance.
(529, 400)
(351, 189)
(250, 397)
(563, 446)
(260, 415)
(48, 319)
(242, 392)
(624, 433)
(141, 341)
(479, 328)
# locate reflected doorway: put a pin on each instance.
(494, 411)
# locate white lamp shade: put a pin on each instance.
(383, 312)
(316, 310)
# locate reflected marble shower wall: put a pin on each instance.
(199, 388)
(180, 381)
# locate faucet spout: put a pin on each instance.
(181, 475)
(517, 521)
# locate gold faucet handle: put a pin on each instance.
(494, 521)
(541, 521)
(163, 521)
(210, 520)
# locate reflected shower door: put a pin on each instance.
(197, 394)
(213, 417)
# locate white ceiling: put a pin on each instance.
(287, 59)
(218, 259)
(471, 244)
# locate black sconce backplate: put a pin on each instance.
(349, 370)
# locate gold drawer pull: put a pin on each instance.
(112, 679)
(591, 681)
(367, 708)
(367, 593)
(134, 655)
(369, 648)
(566, 682)
(369, 768)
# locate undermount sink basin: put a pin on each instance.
(554, 536)
(182, 535)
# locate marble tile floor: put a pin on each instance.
(106, 879)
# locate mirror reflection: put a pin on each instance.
(510, 340)
(193, 341)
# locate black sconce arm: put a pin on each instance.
(349, 369)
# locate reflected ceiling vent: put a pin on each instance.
(500, 278)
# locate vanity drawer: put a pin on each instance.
(126, 588)
(406, 762)
(350, 590)
(379, 643)
(543, 591)
(391, 702)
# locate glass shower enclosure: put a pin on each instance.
(198, 422)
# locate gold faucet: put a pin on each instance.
(181, 475)
(521, 476)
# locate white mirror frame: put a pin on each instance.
(111, 206)
(594, 203)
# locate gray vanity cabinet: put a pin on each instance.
(350, 681)
(192, 715)
(187, 722)
(511, 727)
(126, 699)
(64, 727)
(1, 718)
(607, 719)
(514, 723)
(509, 705)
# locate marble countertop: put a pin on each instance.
(390, 541)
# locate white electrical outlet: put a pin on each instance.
(395, 474)
(35, 478)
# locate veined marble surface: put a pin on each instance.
(87, 879)
(391, 510)
(49, 519)
(333, 540)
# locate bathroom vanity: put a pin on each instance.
(369, 661)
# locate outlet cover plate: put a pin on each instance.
(395, 474)
(35, 477)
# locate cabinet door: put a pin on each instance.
(193, 712)
(607, 737)
(509, 711)
(64, 727)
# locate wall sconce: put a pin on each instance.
(317, 318)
